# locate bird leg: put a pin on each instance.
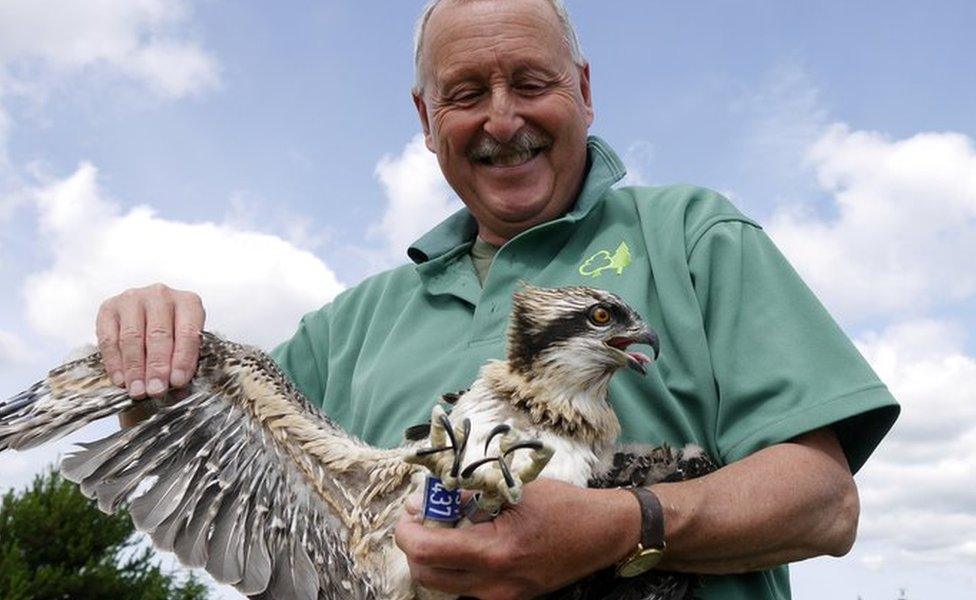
(445, 450)
(494, 477)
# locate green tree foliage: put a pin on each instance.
(54, 543)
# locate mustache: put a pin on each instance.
(524, 140)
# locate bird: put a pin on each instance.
(244, 477)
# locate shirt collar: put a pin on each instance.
(459, 229)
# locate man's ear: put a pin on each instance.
(418, 101)
(584, 73)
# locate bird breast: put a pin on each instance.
(573, 462)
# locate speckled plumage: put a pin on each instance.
(257, 486)
(254, 484)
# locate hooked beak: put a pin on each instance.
(637, 360)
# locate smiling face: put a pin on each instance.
(506, 110)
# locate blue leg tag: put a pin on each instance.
(441, 504)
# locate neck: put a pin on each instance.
(568, 402)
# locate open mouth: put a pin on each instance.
(635, 360)
(510, 159)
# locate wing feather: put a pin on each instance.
(243, 476)
(164, 536)
(156, 505)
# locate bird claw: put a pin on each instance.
(496, 479)
(445, 450)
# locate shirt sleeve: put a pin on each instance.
(782, 366)
(304, 357)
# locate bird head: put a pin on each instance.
(583, 332)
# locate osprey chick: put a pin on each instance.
(246, 478)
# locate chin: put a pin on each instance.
(516, 205)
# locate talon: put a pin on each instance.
(501, 428)
(429, 451)
(443, 437)
(460, 449)
(503, 484)
(506, 472)
(531, 444)
(470, 469)
(446, 424)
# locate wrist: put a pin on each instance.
(650, 549)
(623, 523)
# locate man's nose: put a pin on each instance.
(503, 120)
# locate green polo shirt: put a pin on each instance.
(749, 357)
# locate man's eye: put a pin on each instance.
(530, 87)
(465, 97)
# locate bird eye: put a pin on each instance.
(599, 315)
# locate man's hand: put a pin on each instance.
(150, 338)
(557, 534)
(787, 502)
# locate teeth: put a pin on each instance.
(511, 160)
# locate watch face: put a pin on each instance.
(640, 563)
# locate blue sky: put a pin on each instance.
(272, 150)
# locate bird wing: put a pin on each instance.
(242, 477)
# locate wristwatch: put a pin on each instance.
(650, 549)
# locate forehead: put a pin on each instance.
(472, 36)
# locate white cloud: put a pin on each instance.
(873, 562)
(255, 286)
(139, 38)
(884, 235)
(246, 211)
(13, 350)
(49, 44)
(4, 135)
(905, 223)
(174, 69)
(917, 491)
(783, 115)
(786, 113)
(418, 197)
(638, 160)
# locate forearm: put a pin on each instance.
(785, 503)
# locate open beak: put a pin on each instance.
(637, 360)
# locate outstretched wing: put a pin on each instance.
(243, 476)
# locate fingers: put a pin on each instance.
(442, 548)
(445, 580)
(132, 344)
(150, 338)
(414, 504)
(188, 323)
(455, 561)
(159, 343)
(107, 333)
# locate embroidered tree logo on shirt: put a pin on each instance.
(603, 260)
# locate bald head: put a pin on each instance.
(570, 38)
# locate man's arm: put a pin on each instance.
(784, 503)
(787, 502)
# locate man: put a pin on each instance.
(752, 369)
